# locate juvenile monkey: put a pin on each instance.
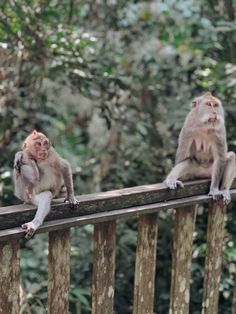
(202, 149)
(39, 173)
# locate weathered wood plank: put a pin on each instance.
(15, 233)
(181, 260)
(59, 272)
(213, 260)
(14, 216)
(145, 267)
(104, 267)
(9, 277)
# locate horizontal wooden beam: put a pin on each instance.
(14, 216)
(103, 216)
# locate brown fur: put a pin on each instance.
(39, 173)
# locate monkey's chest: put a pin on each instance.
(202, 151)
(202, 144)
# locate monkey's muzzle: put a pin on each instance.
(213, 118)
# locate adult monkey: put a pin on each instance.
(202, 149)
(39, 173)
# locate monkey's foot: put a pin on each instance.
(72, 201)
(217, 195)
(29, 228)
(173, 184)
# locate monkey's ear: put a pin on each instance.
(194, 103)
(34, 132)
(24, 145)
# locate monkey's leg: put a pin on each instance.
(218, 167)
(228, 177)
(183, 168)
(43, 201)
(67, 175)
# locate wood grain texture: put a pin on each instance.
(104, 267)
(14, 216)
(182, 260)
(213, 260)
(71, 218)
(145, 267)
(9, 277)
(59, 272)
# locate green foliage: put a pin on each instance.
(111, 83)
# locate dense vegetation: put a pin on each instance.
(110, 82)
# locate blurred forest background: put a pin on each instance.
(110, 82)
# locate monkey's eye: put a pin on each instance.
(215, 104)
(45, 143)
(208, 104)
(38, 144)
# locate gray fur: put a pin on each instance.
(202, 148)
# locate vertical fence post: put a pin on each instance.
(145, 267)
(104, 267)
(9, 277)
(213, 260)
(234, 299)
(59, 271)
(182, 259)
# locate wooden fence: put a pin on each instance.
(102, 210)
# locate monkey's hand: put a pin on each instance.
(217, 195)
(72, 201)
(30, 228)
(226, 196)
(18, 161)
(173, 184)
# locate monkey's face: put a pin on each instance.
(37, 146)
(209, 111)
(40, 148)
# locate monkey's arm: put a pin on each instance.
(18, 161)
(26, 168)
(184, 147)
(19, 186)
(177, 172)
(68, 180)
(35, 173)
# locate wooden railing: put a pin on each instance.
(102, 210)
